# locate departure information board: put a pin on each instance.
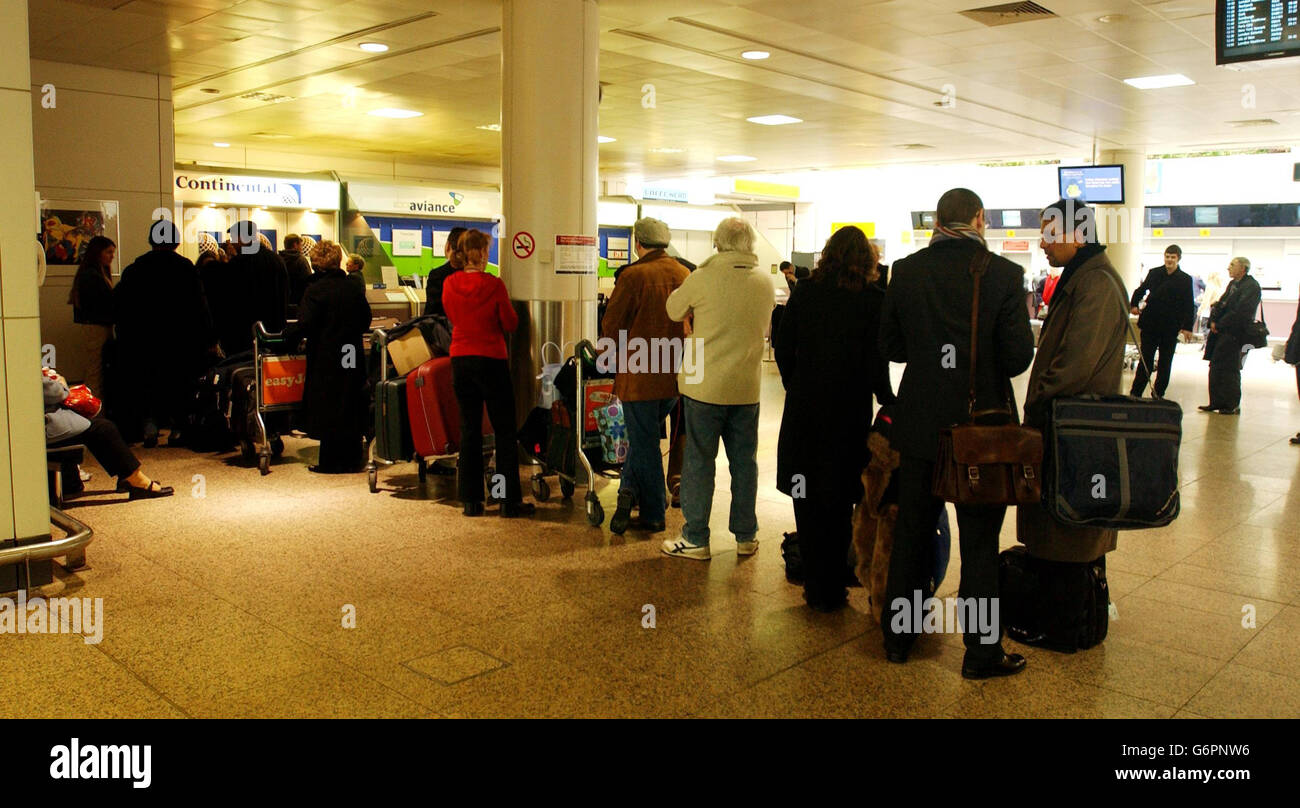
(1257, 29)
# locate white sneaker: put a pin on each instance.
(747, 548)
(681, 548)
(84, 475)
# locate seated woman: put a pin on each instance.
(332, 316)
(63, 427)
(480, 312)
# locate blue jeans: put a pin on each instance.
(643, 471)
(737, 426)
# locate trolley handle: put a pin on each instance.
(379, 339)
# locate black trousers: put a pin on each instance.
(479, 380)
(825, 531)
(912, 560)
(1225, 373)
(105, 444)
(1166, 344)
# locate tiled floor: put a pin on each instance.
(234, 603)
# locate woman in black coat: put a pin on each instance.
(831, 368)
(332, 316)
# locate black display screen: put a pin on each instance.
(1247, 30)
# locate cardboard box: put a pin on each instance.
(409, 351)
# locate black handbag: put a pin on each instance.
(1257, 332)
(1112, 461)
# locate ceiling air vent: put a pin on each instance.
(269, 98)
(914, 146)
(1008, 13)
(1252, 122)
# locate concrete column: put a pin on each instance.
(24, 504)
(549, 94)
(1123, 233)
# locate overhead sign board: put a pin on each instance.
(250, 191)
(426, 200)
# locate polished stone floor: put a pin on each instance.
(230, 600)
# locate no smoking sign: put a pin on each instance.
(523, 244)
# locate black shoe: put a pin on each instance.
(154, 491)
(647, 526)
(150, 441)
(1208, 408)
(623, 513)
(826, 604)
(472, 509)
(1296, 440)
(896, 656)
(514, 510)
(1008, 665)
(1233, 411)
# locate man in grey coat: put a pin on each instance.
(1080, 350)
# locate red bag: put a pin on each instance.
(83, 402)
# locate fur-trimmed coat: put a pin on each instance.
(873, 522)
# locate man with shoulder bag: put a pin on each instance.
(927, 322)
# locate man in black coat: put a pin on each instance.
(297, 268)
(163, 331)
(1229, 318)
(1170, 310)
(259, 287)
(926, 323)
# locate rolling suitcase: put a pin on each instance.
(1059, 605)
(433, 411)
(393, 441)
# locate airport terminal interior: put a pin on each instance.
(389, 130)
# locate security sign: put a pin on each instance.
(523, 244)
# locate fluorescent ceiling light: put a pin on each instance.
(1159, 82)
(671, 150)
(221, 145)
(490, 127)
(755, 55)
(774, 120)
(603, 139)
(373, 47)
(392, 112)
(736, 158)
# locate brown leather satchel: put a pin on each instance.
(982, 463)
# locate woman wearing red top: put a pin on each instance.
(480, 313)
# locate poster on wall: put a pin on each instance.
(576, 255)
(67, 226)
(406, 243)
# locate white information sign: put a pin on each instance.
(406, 243)
(576, 255)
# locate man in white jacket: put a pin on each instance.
(726, 304)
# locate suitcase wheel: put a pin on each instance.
(421, 469)
(595, 512)
(541, 489)
(264, 465)
(566, 488)
(372, 478)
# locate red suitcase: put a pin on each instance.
(431, 406)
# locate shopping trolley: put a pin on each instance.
(281, 377)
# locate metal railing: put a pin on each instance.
(73, 546)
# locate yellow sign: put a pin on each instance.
(1158, 232)
(868, 228)
(906, 237)
(1011, 234)
(1205, 232)
(765, 188)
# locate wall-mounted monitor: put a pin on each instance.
(1159, 217)
(1250, 30)
(1207, 215)
(1096, 185)
(1010, 218)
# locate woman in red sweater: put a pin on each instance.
(480, 312)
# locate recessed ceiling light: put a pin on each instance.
(490, 127)
(1109, 18)
(221, 145)
(666, 150)
(1159, 82)
(209, 90)
(603, 139)
(774, 120)
(373, 47)
(393, 112)
(736, 158)
(755, 55)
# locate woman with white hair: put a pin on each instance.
(726, 303)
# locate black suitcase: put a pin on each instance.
(1112, 462)
(393, 441)
(209, 423)
(1059, 605)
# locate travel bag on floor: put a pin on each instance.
(1059, 605)
(433, 411)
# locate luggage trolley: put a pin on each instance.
(281, 378)
(571, 463)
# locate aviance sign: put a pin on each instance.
(425, 200)
(274, 192)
